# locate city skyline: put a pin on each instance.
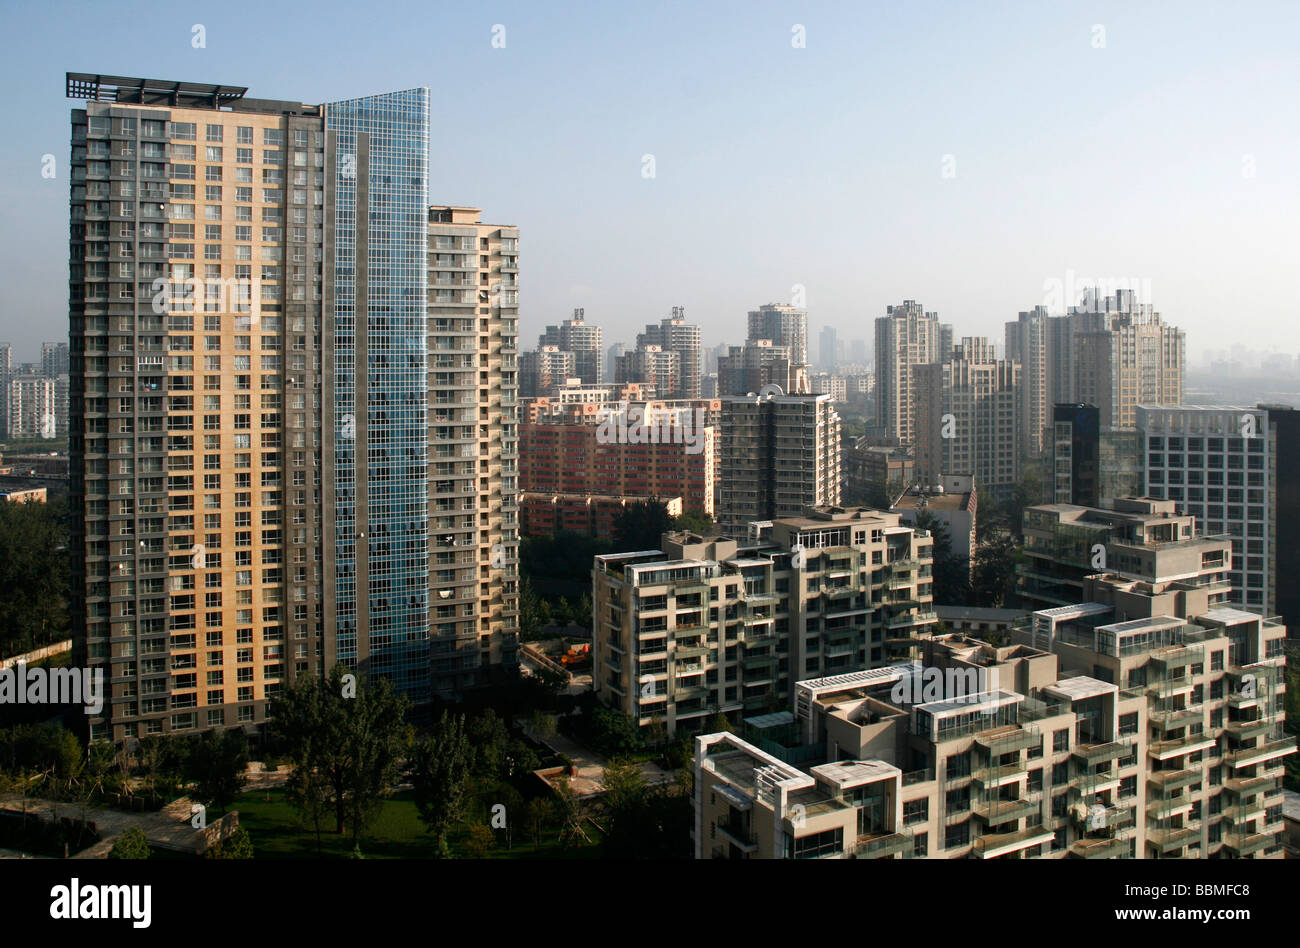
(854, 227)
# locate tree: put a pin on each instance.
(719, 723)
(582, 612)
(238, 845)
(694, 521)
(613, 732)
(35, 575)
(641, 525)
(990, 515)
(542, 724)
(535, 812)
(568, 813)
(993, 581)
(215, 764)
(951, 572)
(440, 772)
(132, 844)
(533, 614)
(375, 738)
(350, 735)
(479, 841)
(488, 737)
(882, 496)
(308, 789)
(623, 784)
(45, 747)
(643, 822)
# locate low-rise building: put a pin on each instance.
(953, 502)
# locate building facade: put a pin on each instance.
(1219, 464)
(906, 337)
(780, 456)
(711, 625)
(966, 417)
(255, 294)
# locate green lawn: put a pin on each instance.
(397, 833)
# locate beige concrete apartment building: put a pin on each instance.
(715, 624)
(1145, 538)
(473, 325)
(966, 417)
(906, 336)
(1170, 748)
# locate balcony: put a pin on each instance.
(995, 812)
(920, 618)
(691, 651)
(739, 836)
(1178, 746)
(1096, 753)
(1178, 717)
(1181, 657)
(996, 774)
(1264, 751)
(1167, 839)
(1165, 782)
(1111, 848)
(993, 845)
(1245, 787)
(1008, 740)
(884, 846)
(1248, 730)
(1245, 843)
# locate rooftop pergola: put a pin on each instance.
(82, 85)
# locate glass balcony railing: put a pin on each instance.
(1261, 752)
(1106, 848)
(1096, 753)
(885, 845)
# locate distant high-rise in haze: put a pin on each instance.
(906, 336)
(675, 334)
(581, 338)
(1122, 355)
(966, 417)
(785, 326)
(1028, 342)
(828, 348)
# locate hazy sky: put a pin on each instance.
(1153, 145)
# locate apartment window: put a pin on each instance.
(959, 765)
(921, 845)
(1128, 724)
(1034, 780)
(1061, 740)
(916, 811)
(816, 845)
(956, 836)
(215, 133)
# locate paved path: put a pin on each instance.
(169, 827)
(590, 778)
